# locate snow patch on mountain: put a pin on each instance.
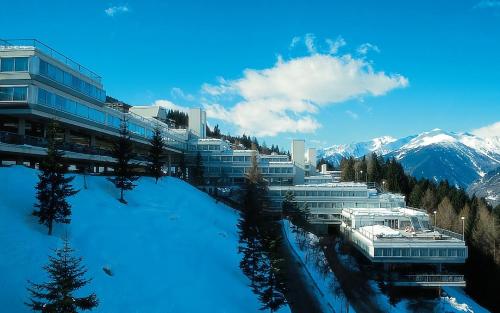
(459, 158)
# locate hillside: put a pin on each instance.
(487, 187)
(460, 158)
(171, 249)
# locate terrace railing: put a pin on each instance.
(448, 233)
(33, 43)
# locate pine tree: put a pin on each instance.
(53, 187)
(272, 287)
(255, 193)
(156, 152)
(289, 206)
(123, 153)
(66, 276)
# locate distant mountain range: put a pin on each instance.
(460, 158)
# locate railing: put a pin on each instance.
(448, 233)
(423, 278)
(15, 139)
(16, 43)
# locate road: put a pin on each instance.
(300, 293)
(354, 284)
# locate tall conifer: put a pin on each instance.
(53, 186)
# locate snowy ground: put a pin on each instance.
(328, 291)
(171, 249)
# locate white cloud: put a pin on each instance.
(285, 97)
(178, 93)
(267, 117)
(486, 4)
(489, 131)
(309, 42)
(335, 45)
(170, 105)
(366, 47)
(294, 42)
(352, 114)
(114, 10)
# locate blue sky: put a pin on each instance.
(327, 71)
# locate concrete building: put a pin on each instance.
(38, 84)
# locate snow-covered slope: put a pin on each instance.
(171, 249)
(487, 187)
(460, 158)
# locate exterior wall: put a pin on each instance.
(226, 167)
(198, 122)
(330, 199)
(409, 251)
(75, 100)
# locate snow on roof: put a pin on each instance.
(385, 211)
(341, 184)
(380, 230)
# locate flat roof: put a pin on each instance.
(399, 211)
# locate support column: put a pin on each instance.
(169, 164)
(67, 135)
(92, 141)
(21, 126)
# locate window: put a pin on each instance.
(21, 64)
(48, 70)
(13, 93)
(7, 65)
(424, 252)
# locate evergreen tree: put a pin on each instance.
(53, 187)
(416, 195)
(255, 194)
(58, 295)
(123, 153)
(272, 286)
(374, 169)
(289, 206)
(156, 152)
(347, 168)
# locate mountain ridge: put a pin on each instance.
(460, 158)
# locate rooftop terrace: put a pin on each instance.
(33, 44)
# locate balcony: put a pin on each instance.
(424, 280)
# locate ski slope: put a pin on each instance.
(171, 249)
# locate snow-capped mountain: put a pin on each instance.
(461, 158)
(379, 145)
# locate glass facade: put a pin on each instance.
(84, 111)
(53, 72)
(14, 94)
(18, 64)
(421, 252)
